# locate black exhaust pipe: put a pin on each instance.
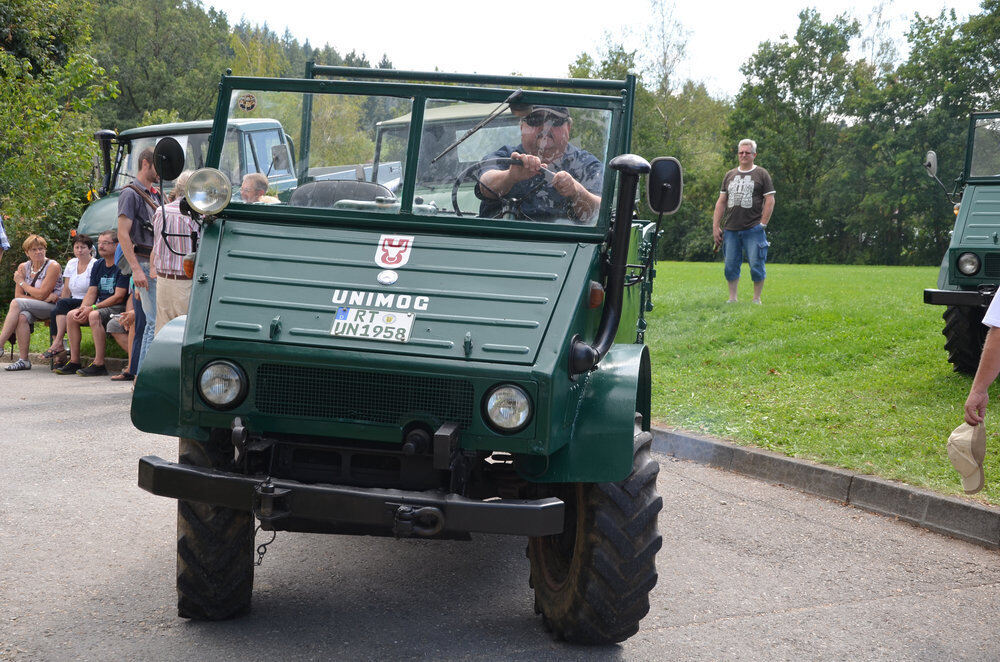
(584, 357)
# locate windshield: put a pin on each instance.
(195, 147)
(985, 160)
(533, 162)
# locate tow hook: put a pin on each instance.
(267, 502)
(423, 521)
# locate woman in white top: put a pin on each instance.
(76, 280)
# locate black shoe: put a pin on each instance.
(93, 370)
(67, 368)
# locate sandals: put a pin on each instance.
(53, 353)
(124, 376)
(19, 364)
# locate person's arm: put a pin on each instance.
(83, 312)
(115, 299)
(585, 203)
(720, 209)
(41, 292)
(128, 249)
(765, 215)
(989, 368)
(495, 183)
(19, 281)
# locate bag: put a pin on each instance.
(121, 262)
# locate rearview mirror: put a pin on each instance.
(665, 185)
(930, 163)
(279, 158)
(168, 159)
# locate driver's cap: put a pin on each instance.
(556, 111)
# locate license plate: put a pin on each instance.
(372, 324)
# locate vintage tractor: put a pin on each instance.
(970, 270)
(421, 352)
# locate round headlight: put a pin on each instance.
(222, 385)
(209, 191)
(508, 408)
(968, 263)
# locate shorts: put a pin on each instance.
(34, 310)
(752, 243)
(107, 312)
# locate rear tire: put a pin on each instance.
(214, 546)
(592, 581)
(964, 336)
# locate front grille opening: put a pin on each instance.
(314, 457)
(330, 393)
(992, 269)
(369, 467)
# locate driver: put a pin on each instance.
(573, 192)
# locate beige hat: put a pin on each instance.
(967, 450)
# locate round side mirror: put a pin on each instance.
(665, 185)
(930, 163)
(168, 158)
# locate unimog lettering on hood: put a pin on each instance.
(380, 299)
(484, 372)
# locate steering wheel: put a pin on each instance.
(508, 204)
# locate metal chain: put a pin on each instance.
(262, 548)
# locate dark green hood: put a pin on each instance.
(472, 299)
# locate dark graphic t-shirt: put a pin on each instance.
(106, 279)
(546, 204)
(745, 193)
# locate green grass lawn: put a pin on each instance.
(842, 364)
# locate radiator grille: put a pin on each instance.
(992, 265)
(360, 396)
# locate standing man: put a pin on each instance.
(136, 204)
(174, 288)
(746, 202)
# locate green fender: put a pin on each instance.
(156, 400)
(602, 433)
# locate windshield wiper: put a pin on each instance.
(486, 120)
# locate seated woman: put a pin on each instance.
(76, 280)
(37, 285)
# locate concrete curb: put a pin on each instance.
(966, 520)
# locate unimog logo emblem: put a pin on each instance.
(393, 250)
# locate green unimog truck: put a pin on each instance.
(417, 354)
(970, 270)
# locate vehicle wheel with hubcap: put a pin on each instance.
(964, 336)
(592, 581)
(214, 545)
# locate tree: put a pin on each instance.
(48, 85)
(789, 105)
(164, 54)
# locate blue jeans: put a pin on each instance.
(147, 299)
(753, 244)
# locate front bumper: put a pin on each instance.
(959, 297)
(403, 512)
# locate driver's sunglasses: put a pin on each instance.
(537, 119)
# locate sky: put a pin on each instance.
(543, 39)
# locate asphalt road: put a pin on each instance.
(748, 571)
